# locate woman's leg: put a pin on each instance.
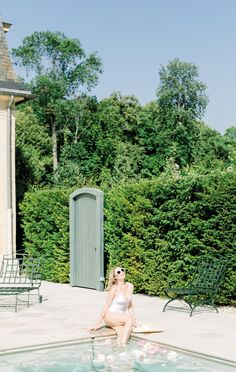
(120, 323)
(127, 331)
(119, 331)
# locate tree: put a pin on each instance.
(117, 146)
(182, 102)
(101, 145)
(230, 135)
(230, 141)
(33, 158)
(33, 144)
(119, 116)
(61, 69)
(148, 133)
(180, 90)
(81, 132)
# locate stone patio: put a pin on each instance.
(66, 313)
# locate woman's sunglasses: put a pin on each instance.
(120, 271)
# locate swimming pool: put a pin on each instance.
(101, 355)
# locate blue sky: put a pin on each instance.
(135, 37)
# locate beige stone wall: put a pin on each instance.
(7, 210)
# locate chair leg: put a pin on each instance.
(16, 303)
(176, 298)
(40, 297)
(164, 308)
(28, 302)
(212, 304)
(200, 303)
(191, 312)
(189, 304)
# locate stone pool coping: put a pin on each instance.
(67, 312)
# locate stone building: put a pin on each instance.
(12, 93)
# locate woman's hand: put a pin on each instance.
(95, 328)
(134, 324)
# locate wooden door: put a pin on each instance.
(86, 238)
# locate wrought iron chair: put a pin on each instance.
(204, 286)
(19, 276)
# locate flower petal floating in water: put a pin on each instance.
(147, 346)
(85, 357)
(141, 343)
(100, 357)
(123, 355)
(172, 355)
(154, 350)
(147, 361)
(137, 353)
(110, 358)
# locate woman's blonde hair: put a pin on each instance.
(112, 278)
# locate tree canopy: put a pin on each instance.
(182, 102)
(61, 69)
(61, 59)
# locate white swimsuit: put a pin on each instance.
(119, 304)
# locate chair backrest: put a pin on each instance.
(22, 270)
(209, 273)
(32, 268)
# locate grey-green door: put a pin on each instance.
(86, 238)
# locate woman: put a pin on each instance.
(118, 311)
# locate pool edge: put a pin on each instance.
(63, 343)
(211, 357)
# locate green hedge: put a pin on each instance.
(156, 229)
(45, 216)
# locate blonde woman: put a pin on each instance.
(118, 311)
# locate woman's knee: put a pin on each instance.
(114, 320)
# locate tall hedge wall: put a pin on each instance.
(156, 229)
(45, 221)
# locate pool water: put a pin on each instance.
(102, 355)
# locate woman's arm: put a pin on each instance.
(130, 307)
(109, 300)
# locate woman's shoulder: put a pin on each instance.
(113, 288)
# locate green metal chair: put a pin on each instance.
(20, 275)
(202, 289)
